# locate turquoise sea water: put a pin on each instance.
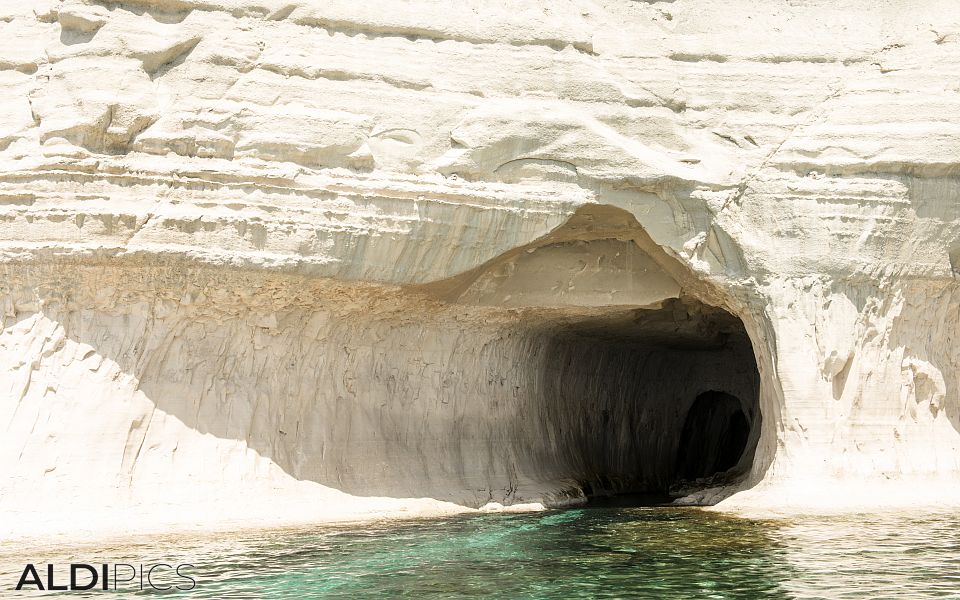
(653, 552)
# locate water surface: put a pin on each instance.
(653, 552)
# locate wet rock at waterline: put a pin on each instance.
(342, 262)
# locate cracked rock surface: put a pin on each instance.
(346, 260)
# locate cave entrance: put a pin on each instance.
(714, 436)
(639, 404)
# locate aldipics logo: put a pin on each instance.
(108, 577)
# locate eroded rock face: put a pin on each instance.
(376, 392)
(474, 252)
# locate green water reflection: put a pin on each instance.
(652, 552)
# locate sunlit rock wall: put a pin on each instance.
(449, 173)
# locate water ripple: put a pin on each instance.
(598, 553)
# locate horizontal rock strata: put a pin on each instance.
(341, 255)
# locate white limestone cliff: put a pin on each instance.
(269, 262)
